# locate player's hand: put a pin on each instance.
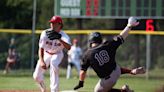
(43, 65)
(132, 22)
(139, 70)
(81, 83)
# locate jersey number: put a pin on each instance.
(102, 57)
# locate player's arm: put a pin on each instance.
(81, 80)
(82, 75)
(132, 22)
(66, 45)
(139, 70)
(41, 60)
(84, 66)
(42, 41)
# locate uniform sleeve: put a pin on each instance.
(85, 63)
(42, 40)
(117, 41)
(65, 37)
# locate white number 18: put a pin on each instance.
(102, 57)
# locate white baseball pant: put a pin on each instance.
(53, 61)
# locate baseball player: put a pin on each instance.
(74, 57)
(12, 56)
(51, 44)
(101, 57)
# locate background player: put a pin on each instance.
(101, 57)
(74, 58)
(51, 44)
(12, 56)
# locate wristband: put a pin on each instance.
(81, 83)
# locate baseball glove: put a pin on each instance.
(53, 34)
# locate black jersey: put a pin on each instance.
(102, 57)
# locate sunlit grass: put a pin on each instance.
(22, 79)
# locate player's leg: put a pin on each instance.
(54, 71)
(42, 86)
(10, 61)
(6, 68)
(78, 67)
(68, 75)
(38, 74)
(124, 88)
(106, 84)
(115, 90)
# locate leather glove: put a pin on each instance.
(51, 34)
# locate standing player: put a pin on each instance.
(101, 57)
(12, 56)
(51, 44)
(74, 58)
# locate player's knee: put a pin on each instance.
(35, 77)
(38, 78)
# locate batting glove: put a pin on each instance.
(132, 22)
(81, 83)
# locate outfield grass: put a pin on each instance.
(22, 80)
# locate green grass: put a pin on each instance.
(22, 80)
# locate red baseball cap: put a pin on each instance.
(56, 19)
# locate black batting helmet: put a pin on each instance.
(95, 37)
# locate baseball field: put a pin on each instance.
(21, 81)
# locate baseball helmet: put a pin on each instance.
(95, 37)
(56, 19)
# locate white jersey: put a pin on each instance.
(74, 53)
(53, 46)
